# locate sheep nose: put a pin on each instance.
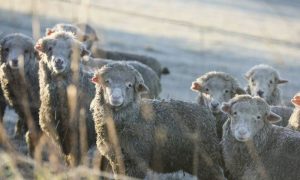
(59, 61)
(242, 132)
(116, 96)
(214, 104)
(260, 93)
(15, 62)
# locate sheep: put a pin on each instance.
(263, 81)
(135, 134)
(19, 84)
(65, 93)
(253, 148)
(294, 121)
(151, 79)
(84, 32)
(88, 35)
(215, 88)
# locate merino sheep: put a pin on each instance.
(253, 148)
(215, 88)
(19, 83)
(151, 79)
(88, 35)
(84, 32)
(65, 93)
(263, 81)
(294, 121)
(135, 134)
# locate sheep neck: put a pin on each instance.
(246, 154)
(294, 122)
(16, 84)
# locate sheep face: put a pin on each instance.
(16, 51)
(262, 81)
(60, 50)
(248, 115)
(120, 84)
(217, 90)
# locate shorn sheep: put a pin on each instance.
(19, 82)
(88, 36)
(294, 122)
(151, 79)
(135, 134)
(253, 148)
(65, 93)
(263, 81)
(214, 88)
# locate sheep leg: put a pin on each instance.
(32, 140)
(20, 128)
(2, 111)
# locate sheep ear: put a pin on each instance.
(225, 107)
(38, 46)
(248, 75)
(196, 86)
(49, 31)
(282, 81)
(141, 87)
(240, 91)
(296, 100)
(95, 79)
(84, 51)
(273, 118)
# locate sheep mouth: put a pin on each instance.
(59, 68)
(242, 139)
(116, 103)
(215, 110)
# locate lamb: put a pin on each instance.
(88, 35)
(135, 134)
(151, 79)
(263, 81)
(253, 148)
(65, 93)
(215, 88)
(294, 121)
(19, 83)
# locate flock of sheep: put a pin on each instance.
(68, 88)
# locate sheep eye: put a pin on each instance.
(226, 91)
(49, 49)
(129, 85)
(271, 81)
(107, 81)
(234, 113)
(206, 89)
(258, 117)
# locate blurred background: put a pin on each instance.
(190, 37)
